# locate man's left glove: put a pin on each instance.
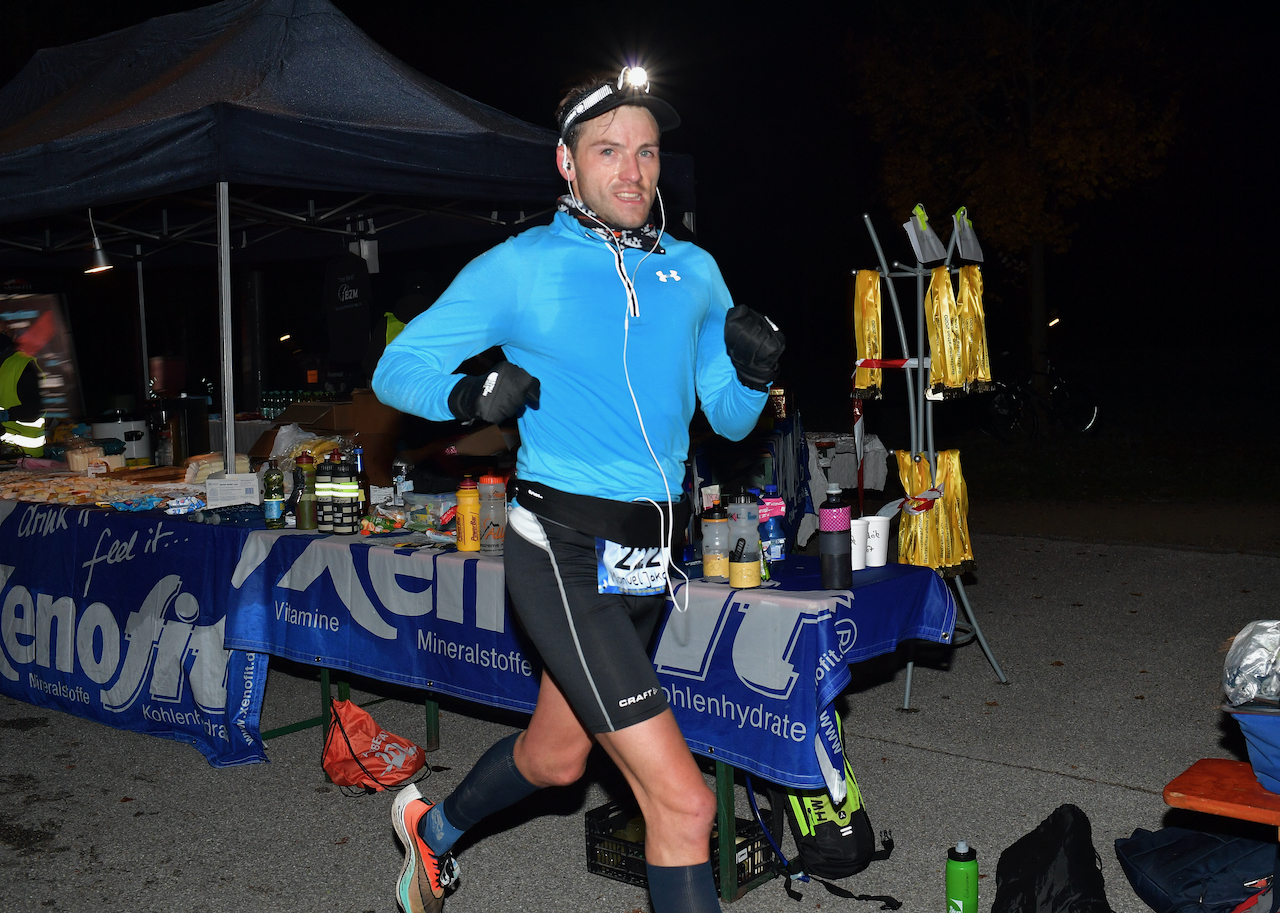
(755, 344)
(495, 396)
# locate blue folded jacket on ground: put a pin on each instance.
(1177, 870)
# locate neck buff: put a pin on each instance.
(645, 237)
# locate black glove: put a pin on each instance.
(495, 396)
(755, 344)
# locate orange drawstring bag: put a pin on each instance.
(360, 753)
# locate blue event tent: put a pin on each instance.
(318, 128)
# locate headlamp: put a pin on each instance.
(631, 88)
(634, 77)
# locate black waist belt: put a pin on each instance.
(624, 522)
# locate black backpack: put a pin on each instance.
(832, 840)
(1053, 869)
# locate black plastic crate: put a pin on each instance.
(613, 854)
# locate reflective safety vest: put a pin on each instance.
(27, 436)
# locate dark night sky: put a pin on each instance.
(785, 170)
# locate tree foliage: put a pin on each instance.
(1021, 110)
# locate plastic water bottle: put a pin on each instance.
(344, 497)
(493, 515)
(715, 543)
(744, 541)
(834, 547)
(468, 516)
(773, 538)
(305, 480)
(324, 495)
(363, 506)
(273, 496)
(962, 878)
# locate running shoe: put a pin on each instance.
(423, 878)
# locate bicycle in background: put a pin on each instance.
(1013, 407)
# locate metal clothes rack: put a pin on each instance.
(920, 406)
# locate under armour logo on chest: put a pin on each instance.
(665, 276)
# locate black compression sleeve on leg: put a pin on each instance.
(492, 785)
(682, 888)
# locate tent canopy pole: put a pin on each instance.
(224, 326)
(142, 333)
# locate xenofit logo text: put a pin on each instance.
(159, 641)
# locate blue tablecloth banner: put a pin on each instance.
(426, 618)
(750, 674)
(119, 617)
(162, 626)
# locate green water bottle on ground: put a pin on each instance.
(962, 879)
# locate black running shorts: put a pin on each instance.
(595, 645)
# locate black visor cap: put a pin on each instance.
(606, 97)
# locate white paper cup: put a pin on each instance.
(877, 541)
(858, 542)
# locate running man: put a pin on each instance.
(613, 331)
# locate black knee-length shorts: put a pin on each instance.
(595, 645)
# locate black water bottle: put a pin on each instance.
(833, 541)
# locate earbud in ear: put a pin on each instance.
(568, 165)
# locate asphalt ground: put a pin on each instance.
(1113, 653)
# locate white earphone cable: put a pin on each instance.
(633, 303)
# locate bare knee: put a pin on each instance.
(689, 813)
(563, 772)
(545, 766)
(701, 805)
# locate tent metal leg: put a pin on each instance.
(142, 332)
(224, 326)
(906, 697)
(982, 641)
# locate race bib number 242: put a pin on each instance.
(630, 569)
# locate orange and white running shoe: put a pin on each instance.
(424, 877)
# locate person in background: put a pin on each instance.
(422, 445)
(21, 406)
(612, 332)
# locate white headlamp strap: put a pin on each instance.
(581, 107)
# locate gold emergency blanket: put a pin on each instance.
(958, 358)
(946, 343)
(866, 332)
(938, 537)
(973, 329)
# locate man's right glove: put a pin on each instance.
(495, 396)
(755, 344)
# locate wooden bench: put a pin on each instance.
(1223, 787)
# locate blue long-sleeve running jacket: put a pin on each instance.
(554, 300)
